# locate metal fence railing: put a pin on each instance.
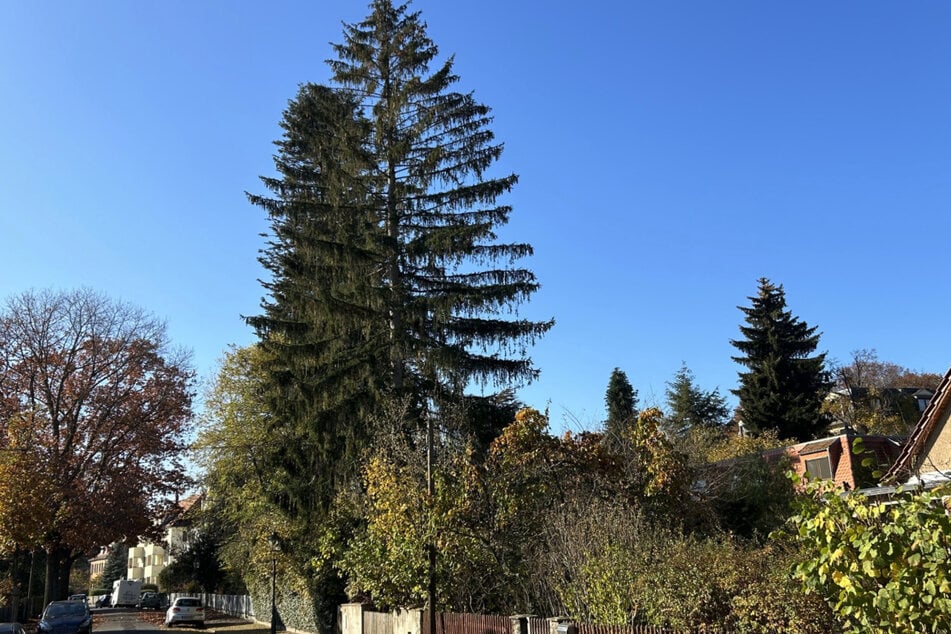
(454, 623)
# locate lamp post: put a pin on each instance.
(275, 543)
(431, 546)
(28, 609)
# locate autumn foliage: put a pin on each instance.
(93, 407)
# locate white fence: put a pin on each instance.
(239, 605)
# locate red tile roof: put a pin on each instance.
(188, 502)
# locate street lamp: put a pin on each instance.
(275, 543)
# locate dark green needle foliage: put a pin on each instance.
(387, 281)
(116, 567)
(691, 407)
(448, 283)
(321, 351)
(620, 399)
(783, 387)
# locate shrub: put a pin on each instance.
(882, 568)
(773, 603)
(622, 570)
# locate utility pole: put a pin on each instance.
(275, 542)
(431, 546)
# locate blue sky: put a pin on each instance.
(669, 153)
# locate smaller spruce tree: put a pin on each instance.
(783, 387)
(690, 407)
(621, 401)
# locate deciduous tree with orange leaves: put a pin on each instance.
(94, 403)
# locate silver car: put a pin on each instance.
(185, 610)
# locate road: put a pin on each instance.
(150, 622)
(123, 620)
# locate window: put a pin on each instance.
(819, 468)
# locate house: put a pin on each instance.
(97, 565)
(834, 458)
(148, 559)
(926, 457)
(851, 406)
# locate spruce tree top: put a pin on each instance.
(691, 406)
(620, 398)
(783, 387)
(448, 281)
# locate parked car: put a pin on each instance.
(185, 610)
(78, 597)
(149, 601)
(11, 628)
(104, 601)
(65, 617)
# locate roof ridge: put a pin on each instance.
(922, 431)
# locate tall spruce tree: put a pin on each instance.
(691, 407)
(387, 281)
(321, 353)
(783, 387)
(621, 401)
(446, 279)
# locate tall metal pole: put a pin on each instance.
(275, 542)
(28, 610)
(273, 593)
(431, 546)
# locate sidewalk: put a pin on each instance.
(220, 622)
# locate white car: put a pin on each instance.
(185, 610)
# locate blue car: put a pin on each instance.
(11, 628)
(65, 617)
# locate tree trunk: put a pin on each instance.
(16, 577)
(58, 563)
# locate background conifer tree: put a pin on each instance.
(783, 387)
(621, 401)
(115, 566)
(691, 407)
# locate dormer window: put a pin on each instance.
(820, 467)
(817, 457)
